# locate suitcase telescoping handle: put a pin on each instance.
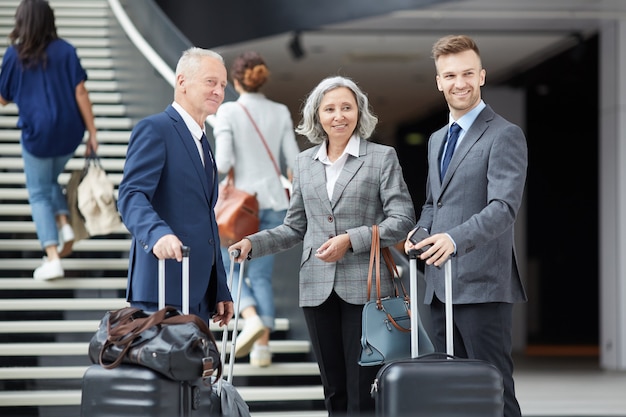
(449, 323)
(413, 256)
(231, 360)
(185, 283)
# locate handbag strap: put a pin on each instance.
(230, 177)
(374, 268)
(267, 148)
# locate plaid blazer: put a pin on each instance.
(370, 190)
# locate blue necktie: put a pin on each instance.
(208, 158)
(455, 129)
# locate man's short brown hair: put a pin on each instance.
(453, 44)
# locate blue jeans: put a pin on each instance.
(45, 195)
(258, 291)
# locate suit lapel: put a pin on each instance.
(318, 180)
(189, 145)
(349, 170)
(472, 136)
(436, 153)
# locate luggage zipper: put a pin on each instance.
(374, 388)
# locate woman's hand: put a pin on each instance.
(242, 248)
(333, 249)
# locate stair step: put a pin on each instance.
(72, 33)
(77, 372)
(102, 122)
(101, 74)
(30, 284)
(102, 104)
(109, 264)
(104, 151)
(78, 348)
(104, 136)
(18, 178)
(61, 4)
(87, 245)
(100, 85)
(88, 326)
(62, 304)
(22, 195)
(73, 397)
(101, 109)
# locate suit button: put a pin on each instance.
(330, 219)
(439, 204)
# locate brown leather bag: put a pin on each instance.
(236, 212)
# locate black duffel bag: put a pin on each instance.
(179, 346)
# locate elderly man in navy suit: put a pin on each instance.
(168, 193)
(474, 190)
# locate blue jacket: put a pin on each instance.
(49, 117)
(164, 190)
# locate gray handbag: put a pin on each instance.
(386, 322)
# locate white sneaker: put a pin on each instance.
(252, 330)
(49, 270)
(66, 240)
(260, 356)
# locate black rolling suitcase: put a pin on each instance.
(131, 391)
(437, 384)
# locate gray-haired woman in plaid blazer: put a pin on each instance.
(341, 188)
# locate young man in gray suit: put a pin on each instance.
(473, 193)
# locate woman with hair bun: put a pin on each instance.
(238, 128)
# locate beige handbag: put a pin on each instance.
(96, 200)
(71, 194)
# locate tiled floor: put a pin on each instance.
(553, 386)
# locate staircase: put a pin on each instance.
(45, 327)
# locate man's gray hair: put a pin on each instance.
(189, 62)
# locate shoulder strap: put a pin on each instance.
(262, 138)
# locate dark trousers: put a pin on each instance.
(335, 332)
(481, 331)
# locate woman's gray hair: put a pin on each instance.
(310, 125)
(190, 60)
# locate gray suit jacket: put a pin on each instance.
(476, 203)
(370, 190)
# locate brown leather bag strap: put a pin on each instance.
(393, 269)
(374, 266)
(396, 325)
(376, 243)
(370, 271)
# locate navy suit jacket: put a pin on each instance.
(165, 190)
